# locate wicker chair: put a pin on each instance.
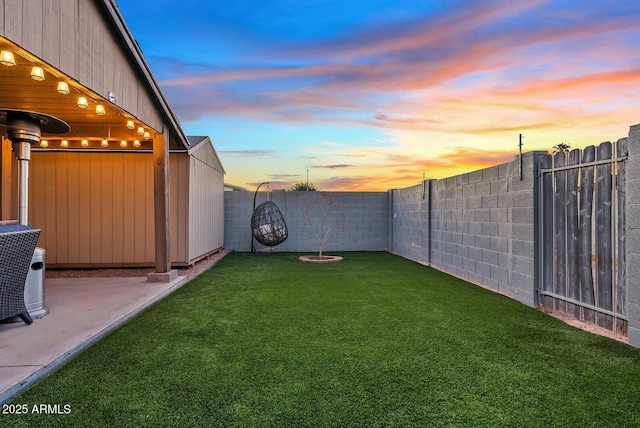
(268, 225)
(17, 245)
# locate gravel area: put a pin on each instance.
(586, 326)
(189, 272)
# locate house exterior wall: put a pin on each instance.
(9, 183)
(96, 209)
(74, 37)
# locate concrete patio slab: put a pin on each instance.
(81, 311)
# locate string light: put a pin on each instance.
(7, 58)
(63, 88)
(82, 102)
(37, 74)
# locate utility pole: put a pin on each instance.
(520, 156)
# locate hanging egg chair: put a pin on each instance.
(268, 225)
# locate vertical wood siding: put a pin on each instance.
(73, 36)
(206, 203)
(96, 209)
(2, 31)
(6, 185)
(179, 194)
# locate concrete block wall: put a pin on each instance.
(482, 226)
(361, 221)
(633, 236)
(410, 233)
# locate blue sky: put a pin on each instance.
(371, 95)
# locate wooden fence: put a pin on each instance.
(582, 226)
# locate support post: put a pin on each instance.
(163, 271)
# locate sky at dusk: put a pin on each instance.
(372, 94)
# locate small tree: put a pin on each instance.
(561, 147)
(328, 220)
(302, 187)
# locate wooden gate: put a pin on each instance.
(582, 235)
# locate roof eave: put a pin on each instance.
(112, 9)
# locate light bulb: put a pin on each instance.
(82, 102)
(63, 88)
(7, 58)
(37, 74)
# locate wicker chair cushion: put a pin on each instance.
(268, 225)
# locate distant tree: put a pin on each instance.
(302, 187)
(561, 147)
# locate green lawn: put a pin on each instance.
(374, 340)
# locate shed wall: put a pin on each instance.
(206, 208)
